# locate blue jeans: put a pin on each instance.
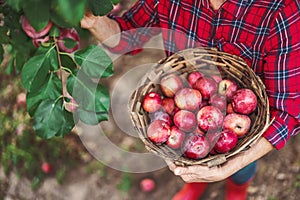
(244, 175)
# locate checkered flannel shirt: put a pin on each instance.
(266, 34)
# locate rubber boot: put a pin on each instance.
(190, 191)
(235, 191)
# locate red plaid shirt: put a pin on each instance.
(266, 34)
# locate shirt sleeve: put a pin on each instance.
(137, 25)
(282, 76)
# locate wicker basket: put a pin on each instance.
(210, 61)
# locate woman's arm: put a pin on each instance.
(200, 173)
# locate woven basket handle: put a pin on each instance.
(217, 161)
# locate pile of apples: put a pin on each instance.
(199, 115)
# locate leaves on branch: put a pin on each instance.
(41, 63)
(94, 62)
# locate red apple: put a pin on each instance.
(227, 87)
(168, 105)
(176, 138)
(195, 146)
(170, 85)
(188, 99)
(207, 86)
(218, 101)
(158, 131)
(226, 142)
(161, 115)
(193, 77)
(147, 185)
(46, 167)
(68, 34)
(229, 108)
(209, 117)
(151, 102)
(212, 137)
(176, 109)
(185, 120)
(244, 101)
(213, 152)
(237, 123)
(31, 32)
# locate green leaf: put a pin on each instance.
(4, 39)
(68, 12)
(35, 73)
(1, 53)
(10, 66)
(67, 124)
(51, 90)
(51, 119)
(69, 43)
(68, 62)
(94, 62)
(37, 13)
(54, 31)
(15, 4)
(115, 2)
(100, 7)
(20, 60)
(93, 98)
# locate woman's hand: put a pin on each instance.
(104, 29)
(200, 173)
(88, 21)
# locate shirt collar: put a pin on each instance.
(235, 7)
